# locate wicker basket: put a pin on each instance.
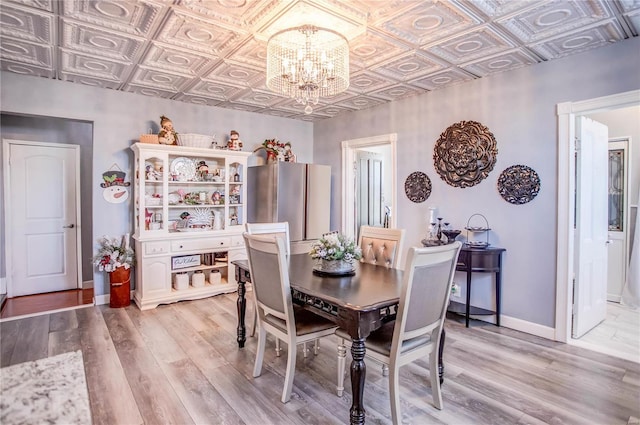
(149, 138)
(195, 140)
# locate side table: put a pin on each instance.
(482, 260)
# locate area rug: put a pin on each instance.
(51, 390)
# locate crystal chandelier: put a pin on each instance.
(307, 63)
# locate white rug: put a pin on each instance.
(51, 390)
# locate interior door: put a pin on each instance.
(370, 196)
(42, 196)
(590, 286)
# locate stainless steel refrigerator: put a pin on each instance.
(294, 192)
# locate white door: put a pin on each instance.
(618, 193)
(42, 226)
(590, 286)
(370, 196)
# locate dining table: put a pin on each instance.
(359, 302)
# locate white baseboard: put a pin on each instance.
(104, 299)
(527, 327)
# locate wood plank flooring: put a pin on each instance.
(180, 364)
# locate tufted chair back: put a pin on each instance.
(381, 246)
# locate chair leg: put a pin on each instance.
(305, 350)
(342, 359)
(316, 347)
(291, 367)
(434, 377)
(254, 323)
(394, 394)
(385, 370)
(257, 367)
(278, 349)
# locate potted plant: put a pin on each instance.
(116, 258)
(335, 253)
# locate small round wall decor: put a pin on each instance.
(417, 187)
(519, 184)
(465, 154)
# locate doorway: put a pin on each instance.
(42, 217)
(350, 149)
(567, 115)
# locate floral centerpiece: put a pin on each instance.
(335, 253)
(113, 254)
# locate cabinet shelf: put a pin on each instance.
(195, 206)
(202, 267)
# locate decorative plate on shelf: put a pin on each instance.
(184, 168)
(518, 184)
(477, 244)
(417, 187)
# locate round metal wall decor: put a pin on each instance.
(465, 154)
(519, 184)
(417, 187)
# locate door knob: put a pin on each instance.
(71, 226)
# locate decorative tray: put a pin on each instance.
(476, 244)
(320, 272)
(477, 229)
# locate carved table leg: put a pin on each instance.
(242, 306)
(358, 374)
(440, 362)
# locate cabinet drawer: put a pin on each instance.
(153, 248)
(200, 244)
(237, 240)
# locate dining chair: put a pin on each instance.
(415, 334)
(381, 246)
(269, 268)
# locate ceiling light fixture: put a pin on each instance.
(307, 63)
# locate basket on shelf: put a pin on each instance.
(149, 138)
(195, 140)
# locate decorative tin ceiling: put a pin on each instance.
(212, 52)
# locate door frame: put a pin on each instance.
(6, 145)
(567, 113)
(349, 148)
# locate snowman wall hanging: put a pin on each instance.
(115, 188)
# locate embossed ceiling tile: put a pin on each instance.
(366, 81)
(628, 5)
(579, 41)
(499, 63)
(156, 78)
(197, 100)
(89, 81)
(397, 91)
(193, 33)
(634, 20)
(238, 106)
(427, 21)
(148, 91)
(441, 79)
(252, 52)
(133, 17)
(547, 20)
(233, 12)
(277, 113)
(380, 12)
(182, 62)
(27, 24)
(234, 73)
(46, 5)
(26, 69)
(25, 52)
(214, 90)
(408, 66)
(99, 41)
(498, 8)
(332, 110)
(371, 48)
(261, 98)
(90, 66)
(484, 41)
(361, 102)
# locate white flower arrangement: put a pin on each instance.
(113, 254)
(336, 247)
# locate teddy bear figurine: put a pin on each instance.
(168, 135)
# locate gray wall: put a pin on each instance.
(119, 118)
(519, 108)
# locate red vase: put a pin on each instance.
(120, 283)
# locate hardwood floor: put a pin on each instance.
(30, 305)
(180, 363)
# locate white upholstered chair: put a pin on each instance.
(415, 333)
(269, 268)
(381, 246)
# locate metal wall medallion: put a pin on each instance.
(417, 186)
(465, 154)
(519, 184)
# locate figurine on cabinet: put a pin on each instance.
(234, 144)
(167, 135)
(289, 156)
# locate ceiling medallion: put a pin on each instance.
(306, 63)
(465, 154)
(518, 184)
(417, 187)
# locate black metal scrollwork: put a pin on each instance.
(518, 184)
(465, 154)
